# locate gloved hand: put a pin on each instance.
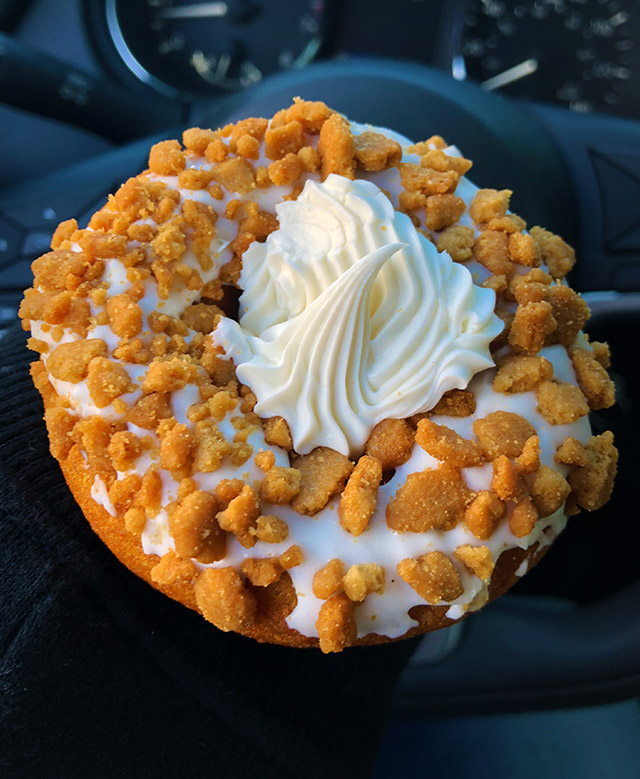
(103, 676)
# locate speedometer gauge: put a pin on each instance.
(187, 47)
(582, 54)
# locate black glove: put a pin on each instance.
(103, 676)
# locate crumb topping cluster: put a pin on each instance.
(121, 313)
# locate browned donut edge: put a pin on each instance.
(275, 601)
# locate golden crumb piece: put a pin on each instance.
(528, 461)
(411, 201)
(557, 255)
(521, 373)
(569, 311)
(240, 516)
(425, 180)
(132, 351)
(194, 178)
(560, 402)
(106, 380)
(196, 140)
(124, 450)
(265, 460)
(220, 404)
(443, 211)
(532, 323)
(327, 581)
(497, 283)
(125, 316)
(502, 433)
(491, 249)
(186, 487)
(195, 530)
(433, 576)
(428, 500)
(175, 448)
(438, 160)
(336, 147)
(374, 151)
(483, 514)
(173, 570)
(477, 559)
(271, 529)
(506, 481)
(572, 452)
(457, 241)
(210, 446)
(70, 361)
(324, 472)
(593, 379)
(447, 446)
(291, 557)
(149, 411)
(262, 572)
(455, 403)
(310, 159)
(489, 204)
(284, 172)
(60, 425)
(249, 147)
(336, 625)
(228, 489)
(510, 224)
(310, 113)
(166, 158)
(221, 370)
(358, 501)
(602, 353)
(36, 345)
(391, 443)
(362, 579)
(592, 483)
(549, 491)
(277, 433)
(122, 492)
(170, 242)
(168, 375)
(280, 485)
(103, 245)
(523, 518)
(216, 151)
(201, 317)
(63, 232)
(135, 520)
(235, 175)
(523, 249)
(224, 600)
(285, 139)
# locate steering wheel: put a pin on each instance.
(575, 174)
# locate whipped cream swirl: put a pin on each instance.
(349, 316)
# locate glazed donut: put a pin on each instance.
(304, 377)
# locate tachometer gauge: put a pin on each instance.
(583, 54)
(181, 46)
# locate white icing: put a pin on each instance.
(101, 496)
(351, 316)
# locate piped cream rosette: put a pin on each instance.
(349, 316)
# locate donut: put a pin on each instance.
(304, 377)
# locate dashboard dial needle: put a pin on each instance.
(521, 70)
(197, 11)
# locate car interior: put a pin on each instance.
(544, 96)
